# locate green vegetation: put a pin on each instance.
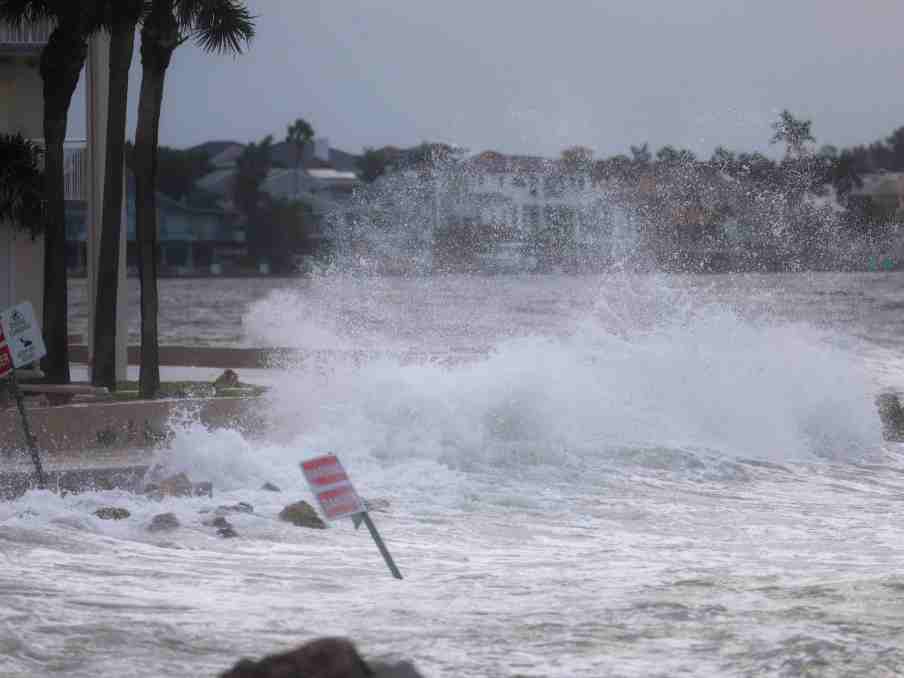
(129, 390)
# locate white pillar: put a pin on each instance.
(97, 96)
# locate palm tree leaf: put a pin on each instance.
(223, 26)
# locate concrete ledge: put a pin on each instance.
(79, 428)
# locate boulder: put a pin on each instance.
(270, 487)
(322, 658)
(241, 507)
(892, 415)
(163, 522)
(302, 514)
(112, 513)
(203, 489)
(229, 379)
(178, 485)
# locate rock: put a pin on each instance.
(163, 522)
(322, 658)
(203, 489)
(220, 521)
(302, 514)
(229, 379)
(270, 487)
(892, 415)
(400, 670)
(241, 507)
(179, 485)
(112, 513)
(227, 532)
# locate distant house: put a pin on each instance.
(324, 178)
(886, 190)
(192, 240)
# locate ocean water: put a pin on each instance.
(585, 476)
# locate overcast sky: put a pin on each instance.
(536, 77)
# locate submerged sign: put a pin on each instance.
(338, 499)
(331, 486)
(22, 336)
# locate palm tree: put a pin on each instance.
(793, 132)
(299, 135)
(216, 26)
(21, 184)
(123, 18)
(62, 60)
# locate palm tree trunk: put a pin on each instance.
(122, 44)
(159, 37)
(61, 63)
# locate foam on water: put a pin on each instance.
(659, 372)
(575, 501)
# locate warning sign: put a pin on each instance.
(332, 487)
(22, 334)
(6, 361)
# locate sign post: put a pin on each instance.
(21, 344)
(338, 499)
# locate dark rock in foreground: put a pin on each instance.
(163, 522)
(322, 658)
(112, 513)
(270, 487)
(302, 514)
(892, 415)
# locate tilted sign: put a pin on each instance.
(24, 344)
(331, 486)
(6, 358)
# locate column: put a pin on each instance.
(96, 98)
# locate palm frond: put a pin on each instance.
(222, 26)
(16, 12)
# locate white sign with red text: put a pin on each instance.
(332, 487)
(22, 336)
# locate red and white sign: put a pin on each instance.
(331, 486)
(6, 359)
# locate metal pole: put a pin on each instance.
(29, 438)
(380, 545)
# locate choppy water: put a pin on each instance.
(615, 477)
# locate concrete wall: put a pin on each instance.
(21, 269)
(21, 112)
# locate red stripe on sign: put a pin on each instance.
(329, 479)
(6, 361)
(313, 464)
(334, 494)
(342, 508)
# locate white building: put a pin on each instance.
(21, 112)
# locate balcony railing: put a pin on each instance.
(75, 168)
(26, 36)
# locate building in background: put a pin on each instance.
(21, 112)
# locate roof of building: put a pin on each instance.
(214, 148)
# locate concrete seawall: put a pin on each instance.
(107, 444)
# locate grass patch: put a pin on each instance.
(128, 390)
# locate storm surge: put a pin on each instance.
(645, 367)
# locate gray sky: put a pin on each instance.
(536, 77)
